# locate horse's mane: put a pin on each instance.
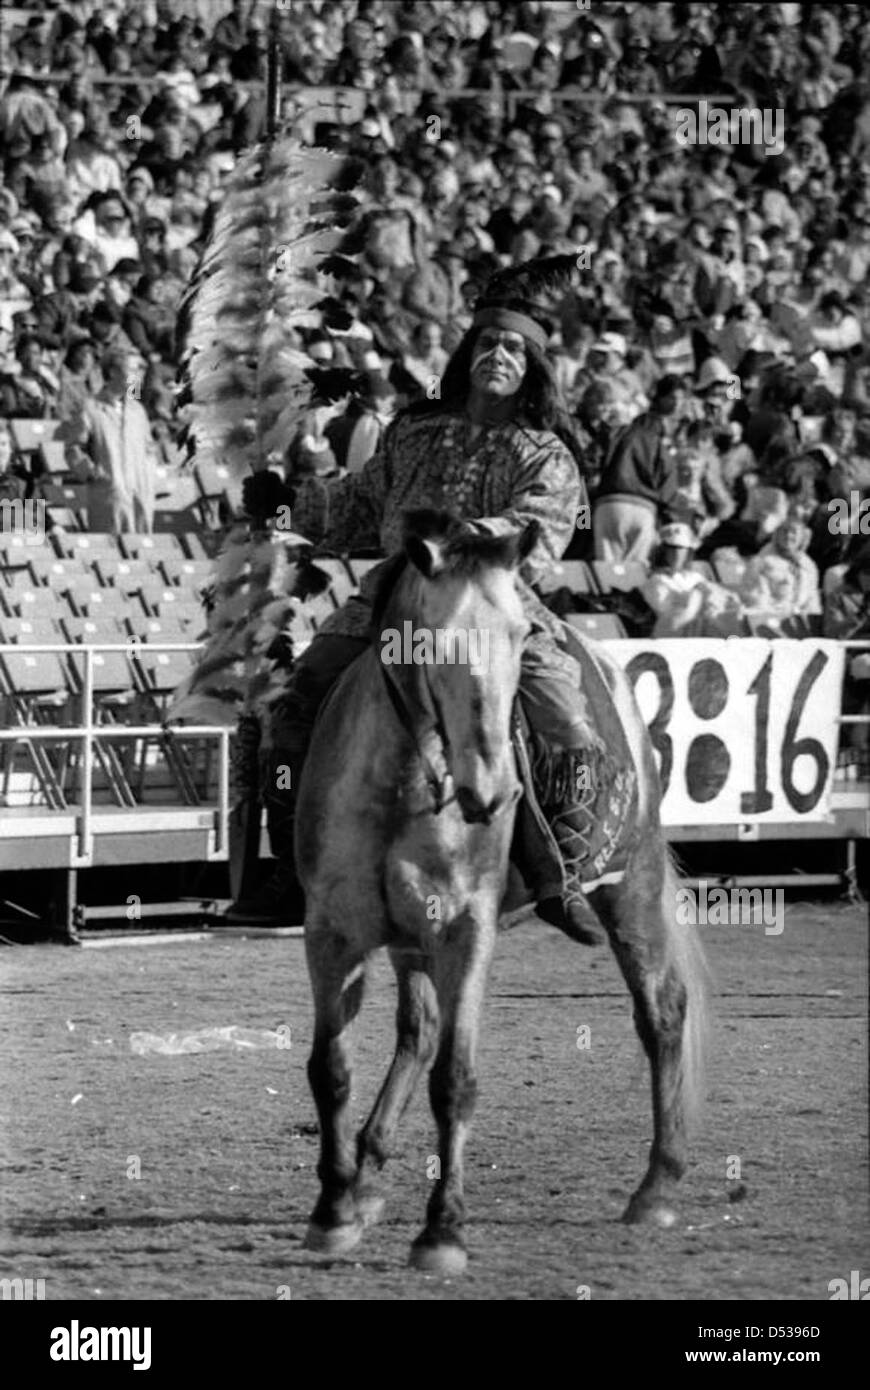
(463, 552)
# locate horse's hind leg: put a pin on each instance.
(416, 1040)
(337, 977)
(664, 977)
(461, 966)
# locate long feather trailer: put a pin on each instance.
(247, 385)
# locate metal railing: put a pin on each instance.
(87, 732)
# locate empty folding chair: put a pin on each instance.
(52, 455)
(16, 549)
(165, 545)
(623, 575)
(159, 673)
(601, 627)
(57, 574)
(127, 576)
(37, 602)
(191, 575)
(29, 435)
(568, 574)
(89, 601)
(88, 546)
(114, 690)
(112, 673)
(35, 686)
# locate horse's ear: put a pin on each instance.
(424, 555)
(527, 540)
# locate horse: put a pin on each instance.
(406, 809)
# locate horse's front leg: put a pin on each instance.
(337, 970)
(462, 960)
(416, 1040)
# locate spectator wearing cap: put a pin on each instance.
(640, 480)
(686, 603)
(141, 199)
(605, 361)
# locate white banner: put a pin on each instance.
(744, 729)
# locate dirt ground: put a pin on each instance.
(226, 1141)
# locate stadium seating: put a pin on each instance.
(601, 627)
(624, 576)
(568, 574)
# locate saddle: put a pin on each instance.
(576, 821)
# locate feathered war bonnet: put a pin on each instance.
(525, 298)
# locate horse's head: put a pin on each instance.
(456, 620)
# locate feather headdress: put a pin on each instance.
(272, 259)
(523, 297)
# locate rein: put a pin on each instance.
(435, 782)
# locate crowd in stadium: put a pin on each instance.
(714, 355)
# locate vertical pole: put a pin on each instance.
(273, 83)
(85, 837)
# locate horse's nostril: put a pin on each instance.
(471, 806)
(474, 812)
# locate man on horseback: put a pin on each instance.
(492, 450)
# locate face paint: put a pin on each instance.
(511, 361)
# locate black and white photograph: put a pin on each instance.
(434, 665)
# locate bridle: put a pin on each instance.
(435, 780)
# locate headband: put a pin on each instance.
(497, 317)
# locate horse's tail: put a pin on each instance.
(684, 955)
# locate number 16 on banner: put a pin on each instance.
(743, 729)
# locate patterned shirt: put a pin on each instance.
(510, 475)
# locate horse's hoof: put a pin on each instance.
(641, 1211)
(443, 1260)
(333, 1240)
(370, 1208)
